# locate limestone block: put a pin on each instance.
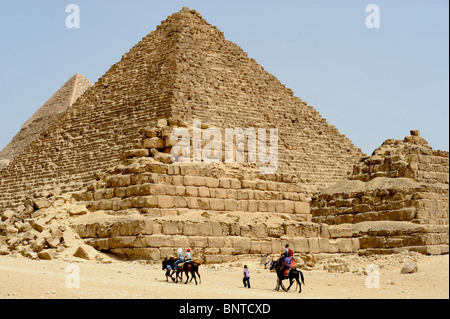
(235, 183)
(293, 230)
(263, 206)
(276, 245)
(212, 259)
(189, 181)
(165, 201)
(216, 242)
(246, 231)
(310, 230)
(225, 183)
(170, 227)
(7, 215)
(324, 231)
(157, 241)
(409, 268)
(226, 251)
(217, 204)
(255, 247)
(372, 242)
(78, 210)
(192, 203)
(86, 252)
(341, 231)
(47, 254)
(314, 247)
(241, 245)
(259, 230)
(181, 241)
(289, 207)
(53, 241)
(252, 206)
(167, 252)
(41, 203)
(180, 202)
(198, 241)
(138, 253)
(230, 204)
(199, 181)
(348, 245)
(191, 191)
(211, 182)
(197, 229)
(154, 142)
(249, 184)
(301, 208)
(138, 152)
(211, 251)
(203, 192)
(162, 157)
(275, 231)
(333, 246)
(300, 245)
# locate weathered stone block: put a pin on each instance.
(165, 201)
(154, 142)
(241, 245)
(300, 245)
(301, 208)
(86, 252)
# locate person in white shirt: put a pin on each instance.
(180, 259)
(188, 256)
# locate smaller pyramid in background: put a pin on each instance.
(44, 117)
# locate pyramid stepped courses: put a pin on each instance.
(185, 68)
(218, 83)
(220, 211)
(146, 207)
(44, 117)
(406, 182)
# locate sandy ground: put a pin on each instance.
(22, 278)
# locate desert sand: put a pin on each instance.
(23, 278)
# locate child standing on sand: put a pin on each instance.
(246, 279)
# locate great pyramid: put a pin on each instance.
(44, 117)
(188, 70)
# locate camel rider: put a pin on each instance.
(188, 256)
(180, 259)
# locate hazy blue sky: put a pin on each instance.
(372, 84)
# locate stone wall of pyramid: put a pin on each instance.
(44, 117)
(185, 68)
(148, 206)
(404, 186)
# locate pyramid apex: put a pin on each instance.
(62, 99)
(188, 11)
(415, 138)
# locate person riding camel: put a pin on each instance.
(180, 259)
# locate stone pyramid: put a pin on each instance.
(400, 193)
(148, 206)
(44, 117)
(184, 69)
